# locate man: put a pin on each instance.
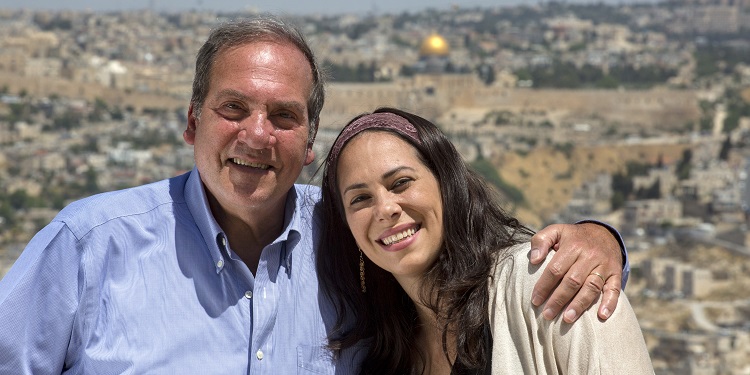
(213, 271)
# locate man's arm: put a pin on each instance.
(38, 300)
(590, 259)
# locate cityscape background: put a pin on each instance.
(634, 113)
(327, 7)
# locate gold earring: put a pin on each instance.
(362, 272)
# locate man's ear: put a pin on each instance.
(310, 155)
(189, 134)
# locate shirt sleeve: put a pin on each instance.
(623, 249)
(38, 302)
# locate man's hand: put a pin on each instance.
(587, 261)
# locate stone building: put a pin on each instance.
(671, 278)
(650, 215)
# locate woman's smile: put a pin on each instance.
(403, 237)
(392, 203)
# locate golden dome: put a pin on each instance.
(434, 45)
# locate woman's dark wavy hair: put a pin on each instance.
(476, 229)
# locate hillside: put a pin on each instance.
(549, 176)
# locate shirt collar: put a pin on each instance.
(210, 230)
(300, 221)
(215, 238)
(293, 222)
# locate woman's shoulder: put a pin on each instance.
(517, 252)
(585, 346)
(514, 263)
(513, 274)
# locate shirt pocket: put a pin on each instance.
(313, 359)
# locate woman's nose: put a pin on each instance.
(388, 208)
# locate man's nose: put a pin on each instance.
(257, 131)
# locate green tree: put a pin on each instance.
(488, 171)
(683, 166)
(486, 74)
(8, 214)
(651, 192)
(622, 187)
(617, 201)
(608, 82)
(726, 146)
(67, 121)
(19, 199)
(737, 108)
(100, 108)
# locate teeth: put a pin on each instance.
(253, 165)
(399, 236)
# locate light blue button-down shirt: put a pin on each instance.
(143, 281)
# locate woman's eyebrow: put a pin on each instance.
(354, 187)
(396, 170)
(385, 175)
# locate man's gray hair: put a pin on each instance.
(245, 31)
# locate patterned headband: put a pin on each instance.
(381, 120)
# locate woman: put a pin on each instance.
(435, 273)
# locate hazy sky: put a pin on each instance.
(285, 6)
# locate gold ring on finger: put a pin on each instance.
(600, 276)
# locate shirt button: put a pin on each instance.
(249, 294)
(259, 355)
(224, 241)
(220, 263)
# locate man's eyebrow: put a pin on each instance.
(233, 93)
(293, 105)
